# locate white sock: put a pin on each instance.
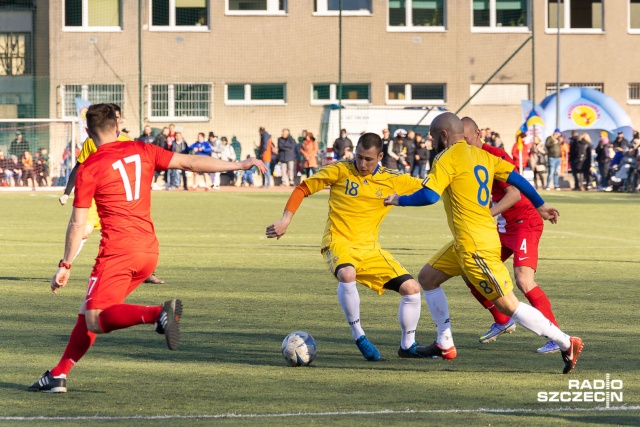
(79, 249)
(439, 309)
(408, 316)
(350, 302)
(533, 320)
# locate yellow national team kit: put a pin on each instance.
(88, 148)
(356, 210)
(463, 175)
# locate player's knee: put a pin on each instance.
(346, 274)
(427, 278)
(93, 325)
(409, 287)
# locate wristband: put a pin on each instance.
(64, 264)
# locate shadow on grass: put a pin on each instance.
(26, 279)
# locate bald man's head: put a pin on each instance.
(471, 132)
(446, 130)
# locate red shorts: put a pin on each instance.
(114, 277)
(522, 241)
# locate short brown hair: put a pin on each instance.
(369, 140)
(101, 118)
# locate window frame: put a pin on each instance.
(247, 95)
(493, 26)
(85, 27)
(172, 27)
(633, 101)
(333, 95)
(550, 88)
(84, 94)
(271, 11)
(408, 90)
(415, 28)
(322, 9)
(28, 53)
(567, 21)
(171, 101)
(630, 30)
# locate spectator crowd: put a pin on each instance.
(608, 165)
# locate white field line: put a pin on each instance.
(326, 414)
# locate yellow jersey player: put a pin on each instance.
(463, 176)
(93, 220)
(350, 244)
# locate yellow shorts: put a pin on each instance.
(484, 269)
(92, 216)
(375, 268)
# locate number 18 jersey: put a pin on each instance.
(463, 175)
(119, 176)
(356, 206)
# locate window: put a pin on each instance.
(15, 54)
(634, 16)
(97, 93)
(180, 102)
(256, 7)
(550, 88)
(416, 93)
(416, 15)
(180, 15)
(93, 15)
(352, 93)
(634, 93)
(256, 94)
(577, 16)
(349, 7)
(500, 15)
(499, 94)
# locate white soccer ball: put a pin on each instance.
(299, 348)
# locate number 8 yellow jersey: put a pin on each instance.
(463, 176)
(356, 206)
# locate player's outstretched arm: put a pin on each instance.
(75, 229)
(423, 197)
(278, 228)
(71, 182)
(211, 164)
(511, 197)
(546, 212)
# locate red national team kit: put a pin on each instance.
(128, 250)
(520, 227)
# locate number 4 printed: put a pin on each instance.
(119, 166)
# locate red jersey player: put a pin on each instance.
(118, 176)
(520, 228)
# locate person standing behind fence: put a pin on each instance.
(309, 151)
(386, 139)
(18, 146)
(287, 157)
(237, 149)
(161, 141)
(552, 145)
(181, 146)
(265, 153)
(422, 158)
(200, 148)
(538, 161)
(146, 136)
(28, 170)
(340, 144)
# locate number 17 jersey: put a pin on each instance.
(119, 176)
(463, 175)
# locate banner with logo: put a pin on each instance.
(585, 110)
(81, 109)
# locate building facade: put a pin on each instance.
(231, 66)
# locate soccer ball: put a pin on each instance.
(299, 348)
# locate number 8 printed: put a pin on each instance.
(484, 194)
